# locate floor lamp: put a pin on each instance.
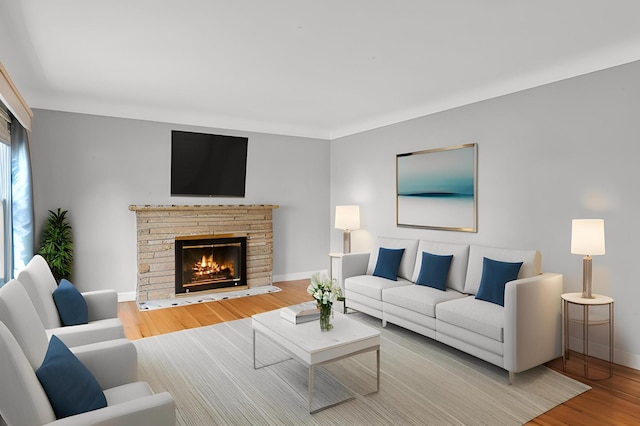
(587, 238)
(347, 219)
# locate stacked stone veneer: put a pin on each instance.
(158, 226)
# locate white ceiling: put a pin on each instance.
(318, 68)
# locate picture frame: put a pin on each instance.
(438, 189)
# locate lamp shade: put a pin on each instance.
(587, 236)
(347, 217)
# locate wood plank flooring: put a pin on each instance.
(138, 324)
(612, 401)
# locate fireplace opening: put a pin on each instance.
(210, 262)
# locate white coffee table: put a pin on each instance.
(313, 347)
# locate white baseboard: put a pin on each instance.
(129, 296)
(600, 351)
(627, 359)
(296, 276)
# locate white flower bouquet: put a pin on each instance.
(325, 291)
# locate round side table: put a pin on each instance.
(596, 300)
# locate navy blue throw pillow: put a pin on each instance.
(69, 385)
(434, 270)
(495, 275)
(388, 263)
(72, 308)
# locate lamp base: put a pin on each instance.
(346, 241)
(586, 277)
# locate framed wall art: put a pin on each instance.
(437, 188)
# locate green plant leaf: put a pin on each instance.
(57, 244)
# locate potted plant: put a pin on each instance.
(57, 244)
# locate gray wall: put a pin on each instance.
(96, 167)
(546, 156)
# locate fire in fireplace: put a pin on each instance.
(210, 262)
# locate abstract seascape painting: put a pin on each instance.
(437, 188)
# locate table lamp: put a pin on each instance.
(347, 219)
(587, 238)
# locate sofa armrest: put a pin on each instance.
(157, 409)
(102, 304)
(113, 363)
(354, 264)
(532, 321)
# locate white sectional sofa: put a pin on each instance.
(521, 333)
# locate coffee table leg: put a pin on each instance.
(310, 387)
(378, 370)
(254, 349)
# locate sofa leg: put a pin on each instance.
(384, 323)
(512, 375)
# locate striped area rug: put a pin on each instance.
(209, 371)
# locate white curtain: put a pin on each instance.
(6, 250)
(21, 197)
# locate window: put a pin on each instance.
(5, 196)
(16, 199)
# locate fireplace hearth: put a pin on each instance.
(210, 262)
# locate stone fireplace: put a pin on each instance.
(159, 227)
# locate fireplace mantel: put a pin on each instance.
(201, 207)
(159, 225)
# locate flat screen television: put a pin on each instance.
(208, 165)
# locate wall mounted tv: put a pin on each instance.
(208, 165)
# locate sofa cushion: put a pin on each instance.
(372, 286)
(434, 270)
(71, 306)
(484, 318)
(419, 298)
(495, 275)
(69, 385)
(458, 267)
(531, 263)
(407, 264)
(388, 263)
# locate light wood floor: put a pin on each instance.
(612, 401)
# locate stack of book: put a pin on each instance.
(303, 312)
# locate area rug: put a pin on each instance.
(209, 371)
(207, 297)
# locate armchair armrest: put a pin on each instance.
(113, 362)
(85, 334)
(532, 321)
(157, 409)
(354, 264)
(102, 304)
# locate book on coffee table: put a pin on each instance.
(300, 313)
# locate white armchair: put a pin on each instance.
(117, 358)
(113, 363)
(103, 324)
(23, 401)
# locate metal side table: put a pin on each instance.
(596, 300)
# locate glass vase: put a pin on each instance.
(325, 317)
